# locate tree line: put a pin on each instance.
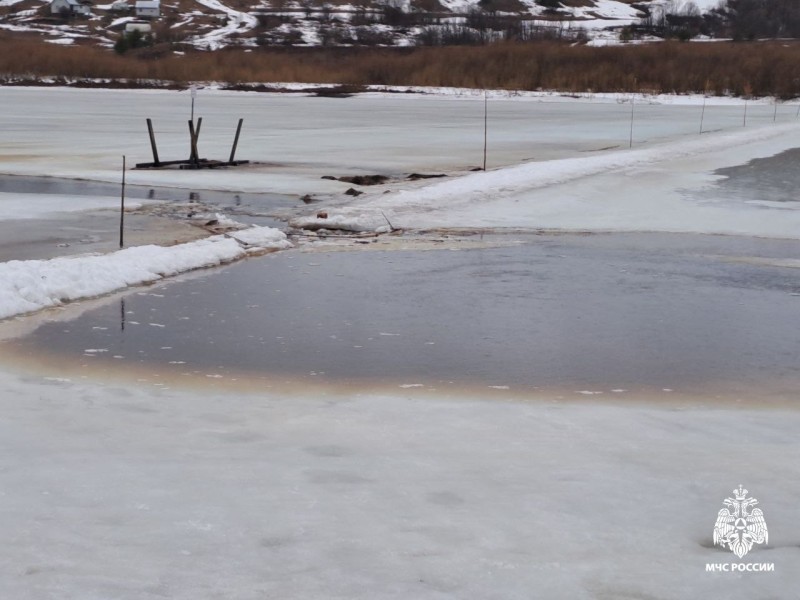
(735, 19)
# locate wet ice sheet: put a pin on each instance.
(582, 313)
(79, 233)
(60, 191)
(41, 197)
(772, 181)
(43, 217)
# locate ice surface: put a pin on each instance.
(576, 171)
(297, 140)
(118, 492)
(35, 206)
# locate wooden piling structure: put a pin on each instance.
(122, 207)
(194, 161)
(236, 140)
(156, 162)
(194, 135)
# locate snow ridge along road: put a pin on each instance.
(485, 186)
(27, 286)
(665, 187)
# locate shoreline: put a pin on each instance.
(147, 379)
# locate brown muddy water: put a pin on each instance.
(587, 314)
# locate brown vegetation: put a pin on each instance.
(762, 69)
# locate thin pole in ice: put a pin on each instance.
(775, 114)
(633, 105)
(702, 114)
(122, 207)
(193, 91)
(485, 126)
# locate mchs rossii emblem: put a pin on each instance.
(739, 525)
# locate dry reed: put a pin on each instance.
(757, 68)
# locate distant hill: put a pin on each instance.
(215, 24)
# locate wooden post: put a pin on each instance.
(122, 207)
(236, 140)
(193, 92)
(156, 162)
(194, 135)
(192, 143)
(197, 139)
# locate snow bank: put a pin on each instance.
(345, 219)
(27, 286)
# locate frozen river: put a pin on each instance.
(297, 138)
(551, 404)
(574, 168)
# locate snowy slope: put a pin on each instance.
(237, 23)
(214, 24)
